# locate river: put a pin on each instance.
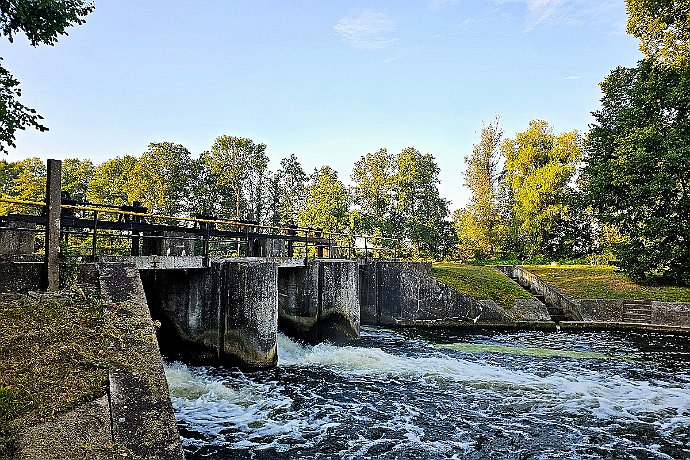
(415, 394)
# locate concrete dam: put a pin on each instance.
(230, 313)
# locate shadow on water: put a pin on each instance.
(446, 394)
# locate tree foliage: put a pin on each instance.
(236, 177)
(479, 226)
(160, 178)
(374, 191)
(663, 27)
(108, 185)
(290, 190)
(327, 202)
(538, 168)
(420, 211)
(42, 22)
(637, 173)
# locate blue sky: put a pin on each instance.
(326, 80)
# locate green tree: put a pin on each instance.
(237, 169)
(538, 168)
(76, 175)
(327, 203)
(637, 172)
(291, 189)
(479, 227)
(663, 27)
(24, 180)
(42, 22)
(108, 185)
(420, 211)
(160, 179)
(373, 191)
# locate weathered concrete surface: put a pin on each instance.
(676, 314)
(16, 242)
(21, 276)
(83, 433)
(141, 411)
(524, 311)
(404, 292)
(245, 294)
(168, 244)
(319, 301)
(552, 296)
(53, 213)
(157, 262)
(182, 301)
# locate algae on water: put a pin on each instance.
(529, 351)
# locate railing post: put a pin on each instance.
(93, 237)
(53, 210)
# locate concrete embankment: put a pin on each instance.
(599, 314)
(404, 293)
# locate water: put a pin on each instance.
(446, 395)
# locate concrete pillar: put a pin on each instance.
(246, 297)
(320, 301)
(53, 210)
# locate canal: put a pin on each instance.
(421, 394)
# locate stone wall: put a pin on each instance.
(21, 276)
(405, 293)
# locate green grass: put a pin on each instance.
(479, 282)
(604, 282)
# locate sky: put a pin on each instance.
(326, 80)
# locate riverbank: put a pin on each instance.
(81, 376)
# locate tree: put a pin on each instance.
(160, 179)
(42, 22)
(290, 189)
(76, 175)
(237, 172)
(479, 227)
(108, 184)
(539, 166)
(637, 172)
(663, 27)
(419, 209)
(23, 180)
(373, 191)
(327, 202)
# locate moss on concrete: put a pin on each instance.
(604, 282)
(480, 282)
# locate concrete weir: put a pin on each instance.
(319, 301)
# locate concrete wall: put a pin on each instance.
(552, 296)
(17, 241)
(21, 276)
(405, 293)
(319, 301)
(618, 311)
(226, 314)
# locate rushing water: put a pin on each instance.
(431, 394)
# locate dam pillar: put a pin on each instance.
(319, 301)
(245, 295)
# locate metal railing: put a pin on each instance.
(94, 230)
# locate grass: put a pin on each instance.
(55, 352)
(604, 282)
(479, 282)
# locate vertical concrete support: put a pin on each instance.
(246, 297)
(17, 242)
(53, 210)
(319, 301)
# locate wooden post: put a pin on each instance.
(53, 210)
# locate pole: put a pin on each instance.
(53, 210)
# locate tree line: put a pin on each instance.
(394, 196)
